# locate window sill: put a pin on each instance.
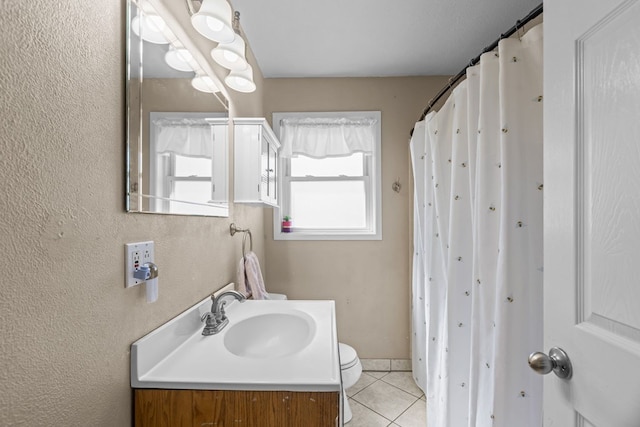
(326, 235)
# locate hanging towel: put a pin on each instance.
(250, 281)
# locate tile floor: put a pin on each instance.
(382, 399)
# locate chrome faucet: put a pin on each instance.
(216, 319)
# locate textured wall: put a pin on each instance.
(67, 320)
(370, 280)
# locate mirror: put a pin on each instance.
(177, 136)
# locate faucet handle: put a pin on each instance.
(206, 316)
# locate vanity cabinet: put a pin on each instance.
(225, 408)
(180, 378)
(255, 162)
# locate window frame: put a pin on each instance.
(372, 177)
(171, 178)
(161, 177)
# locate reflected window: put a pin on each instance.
(188, 178)
(188, 163)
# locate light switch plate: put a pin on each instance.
(136, 254)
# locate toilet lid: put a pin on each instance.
(348, 356)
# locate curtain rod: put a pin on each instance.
(452, 81)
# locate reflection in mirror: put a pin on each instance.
(177, 156)
(187, 172)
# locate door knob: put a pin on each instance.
(557, 361)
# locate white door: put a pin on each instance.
(592, 210)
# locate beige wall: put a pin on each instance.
(67, 320)
(369, 280)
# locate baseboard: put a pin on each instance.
(386, 365)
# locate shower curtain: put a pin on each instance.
(477, 264)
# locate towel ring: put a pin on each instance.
(233, 230)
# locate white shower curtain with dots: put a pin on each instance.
(418, 290)
(477, 271)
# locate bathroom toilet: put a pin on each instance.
(350, 367)
(277, 297)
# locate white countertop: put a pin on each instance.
(178, 356)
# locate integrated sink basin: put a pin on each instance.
(270, 335)
(272, 345)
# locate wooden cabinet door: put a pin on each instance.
(181, 408)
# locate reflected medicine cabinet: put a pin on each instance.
(255, 162)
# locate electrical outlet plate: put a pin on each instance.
(136, 254)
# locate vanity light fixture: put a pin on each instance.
(204, 83)
(213, 21)
(150, 27)
(242, 80)
(179, 58)
(240, 77)
(231, 55)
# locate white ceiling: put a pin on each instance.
(373, 38)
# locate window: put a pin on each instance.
(330, 181)
(187, 167)
(188, 178)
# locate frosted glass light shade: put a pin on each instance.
(204, 83)
(150, 27)
(179, 59)
(213, 21)
(242, 80)
(231, 55)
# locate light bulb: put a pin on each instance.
(214, 24)
(213, 21)
(241, 80)
(150, 27)
(230, 56)
(154, 22)
(179, 59)
(204, 83)
(184, 55)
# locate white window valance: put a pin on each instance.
(327, 137)
(185, 137)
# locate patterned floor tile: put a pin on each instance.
(365, 417)
(385, 399)
(364, 381)
(415, 416)
(376, 374)
(404, 381)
